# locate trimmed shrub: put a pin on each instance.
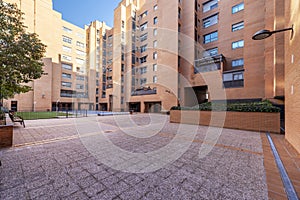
(264, 106)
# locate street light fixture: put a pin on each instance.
(263, 34)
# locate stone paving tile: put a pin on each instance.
(64, 169)
(41, 191)
(95, 189)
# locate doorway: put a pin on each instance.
(14, 106)
(152, 107)
(136, 106)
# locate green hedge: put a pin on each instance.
(264, 106)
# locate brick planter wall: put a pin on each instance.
(6, 134)
(252, 121)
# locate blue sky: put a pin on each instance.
(82, 12)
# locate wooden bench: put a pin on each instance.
(16, 118)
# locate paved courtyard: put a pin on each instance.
(131, 157)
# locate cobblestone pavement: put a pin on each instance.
(50, 161)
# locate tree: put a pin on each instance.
(21, 53)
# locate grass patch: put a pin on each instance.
(39, 115)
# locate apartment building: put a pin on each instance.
(157, 55)
(166, 52)
(140, 64)
(97, 58)
(249, 71)
(65, 84)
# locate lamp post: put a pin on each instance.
(57, 107)
(263, 34)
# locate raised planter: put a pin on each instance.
(6, 134)
(252, 121)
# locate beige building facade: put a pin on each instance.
(65, 83)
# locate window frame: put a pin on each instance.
(237, 8)
(238, 46)
(240, 63)
(237, 26)
(206, 41)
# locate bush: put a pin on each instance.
(264, 106)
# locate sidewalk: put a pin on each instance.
(291, 161)
(49, 161)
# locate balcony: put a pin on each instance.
(210, 63)
(143, 91)
(233, 84)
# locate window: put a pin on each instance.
(210, 37)
(80, 53)
(212, 20)
(237, 8)
(64, 75)
(122, 100)
(143, 59)
(66, 84)
(80, 35)
(238, 44)
(237, 63)
(143, 70)
(210, 5)
(143, 81)
(238, 76)
(155, 7)
(154, 67)
(155, 20)
(211, 52)
(67, 49)
(179, 13)
(144, 48)
(67, 29)
(80, 78)
(123, 24)
(154, 79)
(67, 39)
(144, 14)
(122, 68)
(154, 55)
(237, 26)
(79, 86)
(233, 79)
(155, 44)
(66, 66)
(144, 26)
(65, 57)
(155, 32)
(80, 44)
(144, 37)
(79, 61)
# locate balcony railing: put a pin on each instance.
(143, 91)
(206, 64)
(233, 84)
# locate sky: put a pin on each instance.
(82, 12)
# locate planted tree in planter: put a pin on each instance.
(20, 53)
